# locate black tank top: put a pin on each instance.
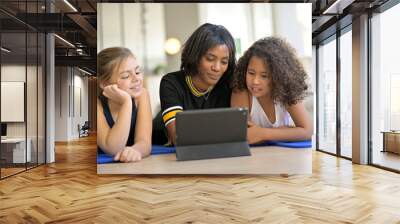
(110, 120)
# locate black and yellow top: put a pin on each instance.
(177, 93)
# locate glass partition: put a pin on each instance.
(385, 89)
(346, 94)
(13, 95)
(327, 96)
(23, 87)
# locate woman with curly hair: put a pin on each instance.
(270, 80)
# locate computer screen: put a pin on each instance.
(3, 129)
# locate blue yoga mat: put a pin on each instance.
(159, 149)
(297, 144)
(155, 150)
(104, 158)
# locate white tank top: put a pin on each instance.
(258, 116)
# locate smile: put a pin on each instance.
(255, 89)
(213, 77)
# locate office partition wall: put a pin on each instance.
(334, 100)
(346, 92)
(23, 87)
(14, 68)
(327, 95)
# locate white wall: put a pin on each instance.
(80, 110)
(293, 22)
(180, 21)
(129, 26)
(14, 73)
(262, 20)
(33, 126)
(70, 84)
(240, 25)
(61, 103)
(126, 25)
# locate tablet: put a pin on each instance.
(211, 133)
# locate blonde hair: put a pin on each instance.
(108, 60)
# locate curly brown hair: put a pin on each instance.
(288, 77)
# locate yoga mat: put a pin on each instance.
(159, 149)
(297, 144)
(155, 150)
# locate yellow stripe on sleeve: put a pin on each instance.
(170, 115)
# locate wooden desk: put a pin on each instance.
(391, 141)
(263, 160)
(13, 150)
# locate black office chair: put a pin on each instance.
(84, 130)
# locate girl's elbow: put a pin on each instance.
(308, 133)
(112, 148)
(147, 149)
(305, 133)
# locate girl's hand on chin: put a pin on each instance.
(116, 94)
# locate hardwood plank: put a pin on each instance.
(70, 191)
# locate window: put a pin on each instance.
(346, 93)
(327, 96)
(22, 64)
(385, 85)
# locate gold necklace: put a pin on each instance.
(195, 91)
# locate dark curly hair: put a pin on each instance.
(204, 38)
(288, 77)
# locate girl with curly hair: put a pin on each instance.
(270, 80)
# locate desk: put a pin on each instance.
(16, 148)
(391, 141)
(263, 160)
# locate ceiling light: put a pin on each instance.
(172, 46)
(71, 6)
(337, 7)
(64, 40)
(5, 50)
(86, 72)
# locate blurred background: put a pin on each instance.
(156, 32)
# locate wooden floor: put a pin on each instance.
(70, 191)
(5, 172)
(387, 159)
